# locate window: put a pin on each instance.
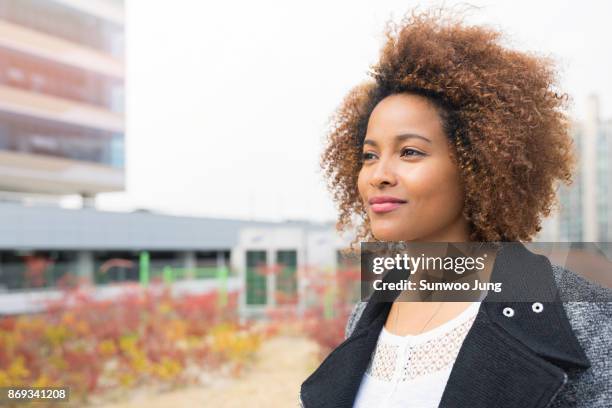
(286, 279)
(256, 280)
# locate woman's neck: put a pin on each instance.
(457, 231)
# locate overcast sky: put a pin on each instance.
(227, 102)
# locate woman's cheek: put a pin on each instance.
(361, 184)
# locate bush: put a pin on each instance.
(144, 337)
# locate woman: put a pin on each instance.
(459, 139)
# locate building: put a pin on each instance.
(586, 205)
(42, 246)
(290, 252)
(62, 97)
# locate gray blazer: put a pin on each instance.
(560, 358)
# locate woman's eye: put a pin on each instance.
(412, 152)
(367, 155)
(408, 152)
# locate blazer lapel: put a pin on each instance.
(495, 370)
(516, 361)
(335, 383)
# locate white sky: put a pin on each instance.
(227, 102)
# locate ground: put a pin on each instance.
(274, 380)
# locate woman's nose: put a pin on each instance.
(383, 174)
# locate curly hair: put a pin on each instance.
(505, 121)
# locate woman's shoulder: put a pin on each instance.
(575, 288)
(585, 303)
(354, 317)
(588, 307)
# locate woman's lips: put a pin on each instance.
(385, 207)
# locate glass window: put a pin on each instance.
(42, 76)
(256, 280)
(35, 136)
(64, 22)
(116, 266)
(286, 279)
(39, 269)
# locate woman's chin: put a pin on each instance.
(383, 233)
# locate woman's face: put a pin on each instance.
(407, 159)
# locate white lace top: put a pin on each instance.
(412, 371)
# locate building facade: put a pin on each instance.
(61, 96)
(586, 205)
(44, 247)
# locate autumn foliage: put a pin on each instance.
(143, 337)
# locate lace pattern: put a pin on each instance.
(382, 366)
(417, 359)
